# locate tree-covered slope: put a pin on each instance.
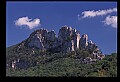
(69, 66)
(44, 54)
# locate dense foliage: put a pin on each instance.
(59, 64)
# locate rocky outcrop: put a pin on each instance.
(68, 40)
(19, 64)
(42, 39)
(84, 41)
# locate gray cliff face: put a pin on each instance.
(42, 39)
(68, 40)
(84, 41)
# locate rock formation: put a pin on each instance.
(42, 39)
(84, 41)
(68, 40)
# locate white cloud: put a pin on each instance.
(111, 20)
(28, 22)
(93, 13)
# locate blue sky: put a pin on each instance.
(54, 15)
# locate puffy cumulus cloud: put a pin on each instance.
(28, 22)
(93, 13)
(111, 20)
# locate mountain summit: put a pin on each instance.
(68, 40)
(41, 41)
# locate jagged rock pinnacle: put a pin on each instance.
(68, 40)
